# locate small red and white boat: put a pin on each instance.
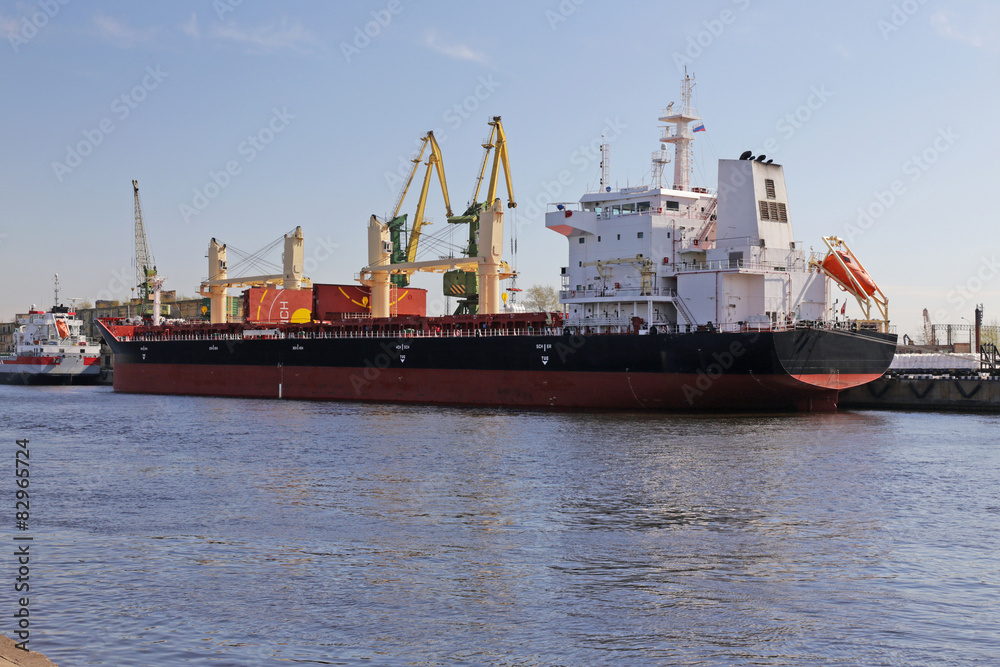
(51, 348)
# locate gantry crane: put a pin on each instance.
(463, 284)
(145, 266)
(397, 223)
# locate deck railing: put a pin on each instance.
(573, 325)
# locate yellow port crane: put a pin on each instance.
(464, 284)
(397, 223)
(482, 264)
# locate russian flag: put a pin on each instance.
(700, 127)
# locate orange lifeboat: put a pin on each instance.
(836, 269)
(62, 328)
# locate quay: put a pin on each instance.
(11, 655)
(958, 393)
(958, 382)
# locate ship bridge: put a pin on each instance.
(681, 258)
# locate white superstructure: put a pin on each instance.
(683, 257)
(51, 347)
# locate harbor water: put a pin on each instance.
(209, 531)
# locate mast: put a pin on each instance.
(605, 164)
(681, 137)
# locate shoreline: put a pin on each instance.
(11, 655)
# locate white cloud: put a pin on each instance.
(267, 38)
(116, 31)
(453, 50)
(984, 35)
(191, 27)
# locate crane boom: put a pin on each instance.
(435, 161)
(145, 266)
(409, 179)
(500, 157)
(497, 142)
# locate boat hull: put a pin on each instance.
(35, 371)
(800, 369)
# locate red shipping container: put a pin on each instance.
(266, 304)
(332, 302)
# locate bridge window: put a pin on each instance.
(582, 239)
(673, 206)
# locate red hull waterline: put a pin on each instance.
(812, 393)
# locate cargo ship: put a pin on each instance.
(674, 298)
(50, 348)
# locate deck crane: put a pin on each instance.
(397, 223)
(460, 283)
(482, 270)
(145, 266)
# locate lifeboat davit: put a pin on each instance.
(836, 269)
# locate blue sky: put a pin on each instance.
(241, 120)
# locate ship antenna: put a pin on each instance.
(681, 137)
(605, 163)
(56, 303)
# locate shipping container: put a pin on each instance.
(266, 304)
(332, 302)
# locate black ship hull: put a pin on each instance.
(797, 369)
